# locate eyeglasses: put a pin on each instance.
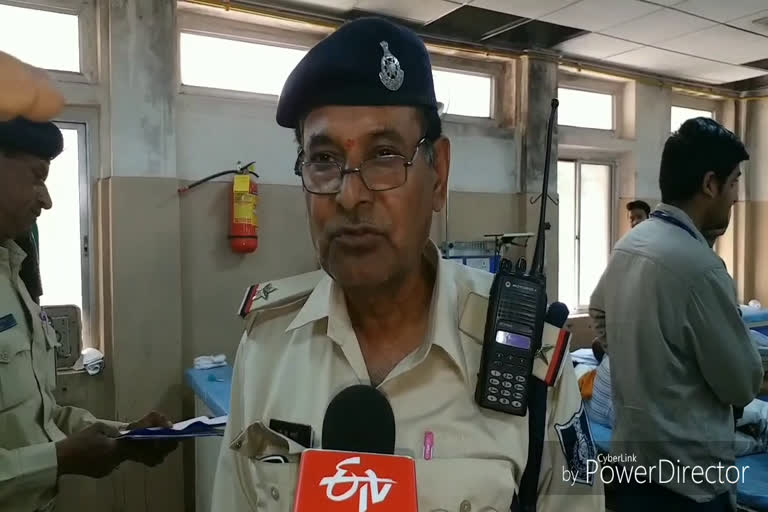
(378, 174)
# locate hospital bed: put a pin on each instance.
(752, 494)
(757, 320)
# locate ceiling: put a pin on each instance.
(719, 42)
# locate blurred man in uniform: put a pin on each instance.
(666, 309)
(39, 439)
(385, 309)
(638, 211)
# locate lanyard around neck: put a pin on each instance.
(674, 221)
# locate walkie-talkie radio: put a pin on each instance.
(513, 327)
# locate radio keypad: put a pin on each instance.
(506, 386)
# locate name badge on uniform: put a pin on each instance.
(7, 322)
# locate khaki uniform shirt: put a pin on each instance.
(666, 310)
(30, 420)
(299, 350)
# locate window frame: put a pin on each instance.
(85, 121)
(474, 67)
(613, 88)
(614, 107)
(218, 23)
(201, 90)
(223, 28)
(612, 222)
(85, 10)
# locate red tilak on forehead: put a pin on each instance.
(349, 144)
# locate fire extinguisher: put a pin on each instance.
(243, 200)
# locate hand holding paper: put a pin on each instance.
(150, 453)
(195, 427)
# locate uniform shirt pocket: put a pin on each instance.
(17, 376)
(464, 485)
(268, 486)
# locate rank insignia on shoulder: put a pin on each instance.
(577, 445)
(548, 361)
(255, 293)
(278, 293)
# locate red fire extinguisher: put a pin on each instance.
(243, 200)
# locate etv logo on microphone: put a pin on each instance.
(355, 482)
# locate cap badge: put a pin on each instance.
(391, 74)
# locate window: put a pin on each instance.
(49, 40)
(63, 229)
(464, 94)
(679, 115)
(585, 109)
(229, 64)
(585, 192)
(222, 63)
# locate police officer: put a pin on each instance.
(39, 439)
(385, 309)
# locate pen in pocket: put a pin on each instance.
(429, 444)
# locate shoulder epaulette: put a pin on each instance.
(273, 294)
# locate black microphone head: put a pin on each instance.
(359, 419)
(557, 314)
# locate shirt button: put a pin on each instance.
(238, 445)
(275, 493)
(466, 506)
(4, 356)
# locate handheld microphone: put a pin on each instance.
(557, 314)
(359, 419)
(554, 341)
(356, 469)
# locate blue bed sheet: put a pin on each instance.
(753, 493)
(212, 387)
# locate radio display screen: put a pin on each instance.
(513, 340)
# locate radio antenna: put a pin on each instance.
(537, 266)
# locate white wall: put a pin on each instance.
(213, 133)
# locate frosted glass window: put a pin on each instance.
(45, 39)
(566, 196)
(60, 228)
(464, 94)
(228, 64)
(585, 109)
(679, 115)
(584, 229)
(594, 227)
(221, 63)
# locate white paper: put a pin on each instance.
(221, 421)
(213, 422)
